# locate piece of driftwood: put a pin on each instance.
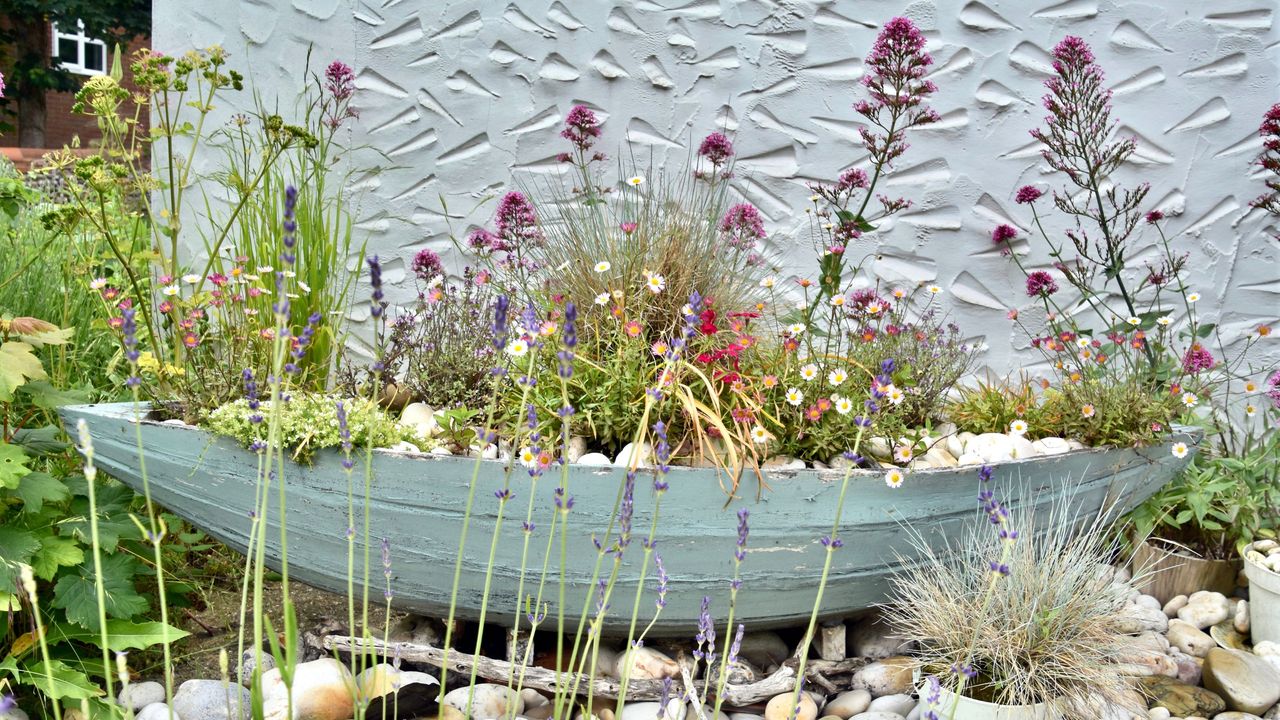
(823, 672)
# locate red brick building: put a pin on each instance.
(84, 57)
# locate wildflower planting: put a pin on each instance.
(612, 457)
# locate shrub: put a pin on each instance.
(308, 422)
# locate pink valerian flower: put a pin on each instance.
(1197, 359)
(484, 242)
(853, 179)
(1154, 217)
(741, 228)
(516, 220)
(1273, 389)
(895, 81)
(427, 265)
(1027, 194)
(1003, 235)
(716, 148)
(1041, 284)
(1269, 161)
(340, 80)
(581, 127)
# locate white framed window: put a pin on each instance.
(79, 53)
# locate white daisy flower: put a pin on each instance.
(603, 266)
(170, 290)
(635, 181)
(1166, 320)
(809, 372)
(894, 478)
(304, 287)
(1190, 399)
(759, 435)
(1180, 450)
(602, 298)
(843, 404)
(655, 283)
(934, 289)
(796, 329)
(1134, 321)
(1250, 410)
(265, 269)
(895, 394)
(903, 453)
(837, 376)
(528, 457)
(517, 348)
(768, 282)
(837, 301)
(97, 283)
(1018, 427)
(794, 396)
(1193, 297)
(191, 279)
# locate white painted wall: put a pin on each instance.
(462, 94)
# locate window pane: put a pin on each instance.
(94, 57)
(68, 51)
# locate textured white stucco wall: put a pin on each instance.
(461, 95)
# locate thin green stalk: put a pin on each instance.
(91, 477)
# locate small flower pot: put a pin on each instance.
(1264, 599)
(970, 709)
(1170, 571)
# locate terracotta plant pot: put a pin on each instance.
(1172, 571)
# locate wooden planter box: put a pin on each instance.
(418, 504)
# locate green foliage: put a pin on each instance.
(309, 422)
(1219, 504)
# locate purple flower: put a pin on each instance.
(375, 281)
(662, 453)
(1027, 194)
(581, 127)
(742, 226)
(1273, 389)
(895, 81)
(251, 395)
(1003, 234)
(569, 341)
(290, 227)
(427, 264)
(626, 512)
(500, 322)
(340, 80)
(516, 220)
(1041, 284)
(1071, 52)
(1154, 217)
(1197, 359)
(853, 179)
(716, 148)
(740, 551)
(706, 637)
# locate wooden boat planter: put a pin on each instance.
(418, 504)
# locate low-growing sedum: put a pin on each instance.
(309, 422)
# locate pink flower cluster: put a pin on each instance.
(427, 265)
(581, 127)
(716, 148)
(1197, 359)
(895, 80)
(742, 226)
(1041, 284)
(1273, 389)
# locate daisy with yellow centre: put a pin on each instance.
(874, 308)
(1134, 321)
(1082, 342)
(602, 298)
(1018, 427)
(894, 478)
(1180, 450)
(528, 457)
(170, 290)
(837, 376)
(843, 404)
(1189, 399)
(769, 381)
(759, 435)
(809, 372)
(903, 453)
(191, 279)
(518, 348)
(655, 283)
(632, 328)
(1250, 386)
(1164, 321)
(1250, 410)
(97, 283)
(814, 198)
(796, 329)
(659, 348)
(895, 394)
(934, 289)
(899, 293)
(794, 396)
(603, 266)
(548, 329)
(768, 282)
(635, 181)
(1087, 410)
(837, 301)
(1193, 297)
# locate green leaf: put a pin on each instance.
(13, 465)
(75, 592)
(55, 552)
(45, 440)
(1204, 330)
(39, 488)
(59, 681)
(121, 635)
(46, 396)
(16, 546)
(18, 364)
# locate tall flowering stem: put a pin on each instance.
(1269, 161)
(897, 93)
(739, 555)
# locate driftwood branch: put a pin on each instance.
(780, 681)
